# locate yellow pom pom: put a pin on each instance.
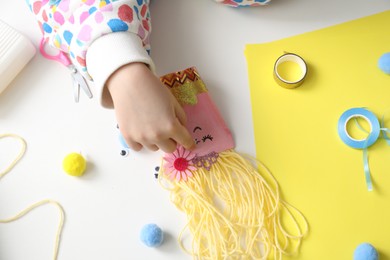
(74, 164)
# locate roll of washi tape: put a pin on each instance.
(359, 113)
(290, 70)
(364, 143)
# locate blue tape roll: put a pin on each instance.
(362, 113)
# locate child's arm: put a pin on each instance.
(148, 115)
(100, 36)
(237, 3)
(109, 42)
(103, 38)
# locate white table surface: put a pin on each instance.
(106, 208)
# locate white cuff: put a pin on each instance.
(110, 52)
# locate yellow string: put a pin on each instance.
(234, 211)
(18, 157)
(37, 204)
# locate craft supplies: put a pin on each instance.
(156, 169)
(16, 51)
(152, 235)
(18, 157)
(384, 63)
(296, 132)
(232, 202)
(373, 135)
(125, 148)
(37, 204)
(77, 79)
(290, 70)
(365, 251)
(358, 113)
(74, 164)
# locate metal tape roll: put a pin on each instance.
(281, 79)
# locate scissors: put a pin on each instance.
(78, 79)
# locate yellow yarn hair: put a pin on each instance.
(234, 211)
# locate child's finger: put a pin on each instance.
(168, 146)
(184, 138)
(134, 145)
(152, 147)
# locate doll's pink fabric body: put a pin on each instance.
(207, 127)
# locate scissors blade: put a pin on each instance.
(76, 90)
(80, 82)
(83, 84)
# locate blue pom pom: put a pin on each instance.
(384, 63)
(152, 235)
(365, 251)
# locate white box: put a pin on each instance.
(15, 52)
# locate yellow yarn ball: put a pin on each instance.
(74, 164)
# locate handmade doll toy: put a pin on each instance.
(232, 202)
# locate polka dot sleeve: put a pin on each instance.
(243, 3)
(72, 25)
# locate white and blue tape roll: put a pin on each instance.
(364, 143)
(369, 117)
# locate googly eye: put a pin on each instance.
(156, 169)
(125, 152)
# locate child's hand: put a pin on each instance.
(148, 115)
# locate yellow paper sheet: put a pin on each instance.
(296, 134)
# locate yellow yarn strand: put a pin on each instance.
(18, 157)
(234, 211)
(37, 204)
